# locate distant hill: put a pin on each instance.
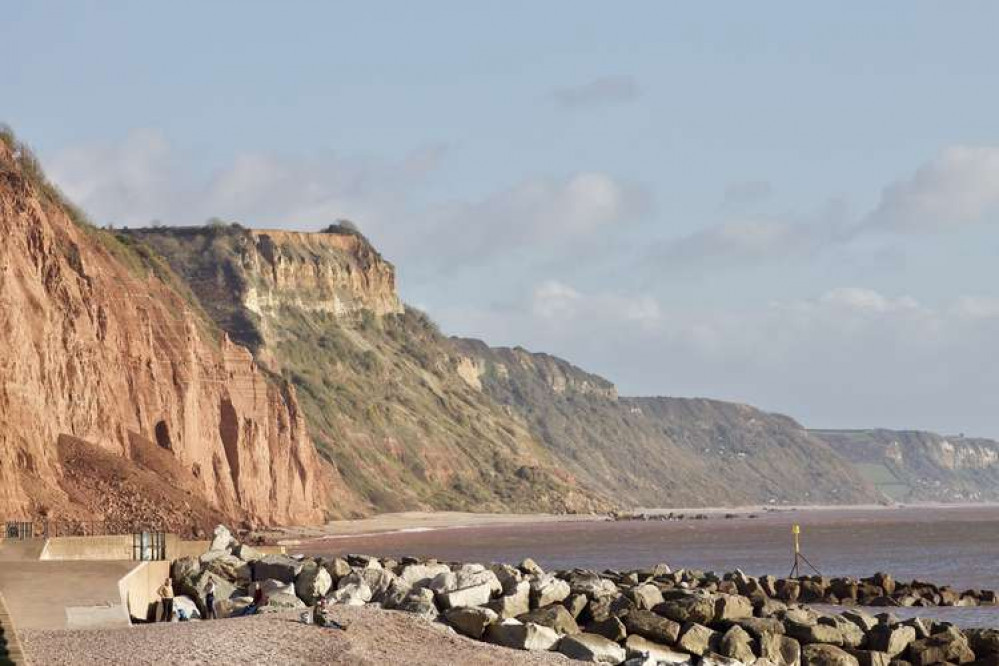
(913, 466)
(661, 451)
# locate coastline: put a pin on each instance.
(430, 521)
(415, 521)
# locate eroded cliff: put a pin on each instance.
(102, 349)
(383, 400)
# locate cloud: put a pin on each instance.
(976, 307)
(554, 301)
(846, 357)
(541, 216)
(958, 187)
(861, 300)
(140, 179)
(598, 92)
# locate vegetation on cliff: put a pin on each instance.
(663, 451)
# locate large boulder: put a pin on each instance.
(530, 567)
(807, 634)
(698, 639)
(547, 589)
(779, 649)
(983, 641)
(379, 581)
(646, 596)
(697, 608)
(196, 589)
(515, 634)
(278, 567)
(337, 568)
(612, 628)
(222, 539)
(282, 602)
(636, 646)
(737, 644)
(184, 606)
(592, 648)
(591, 584)
(600, 608)
(731, 607)
(554, 616)
(891, 639)
(826, 655)
(312, 582)
(945, 646)
(476, 595)
(865, 621)
(351, 594)
(231, 568)
(419, 601)
(470, 575)
(420, 575)
(271, 586)
(444, 582)
(576, 603)
(471, 622)
(185, 568)
(508, 576)
(514, 603)
(651, 626)
(757, 626)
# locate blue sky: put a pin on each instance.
(779, 203)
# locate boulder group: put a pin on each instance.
(640, 617)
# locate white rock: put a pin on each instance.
(476, 595)
(591, 648)
(222, 539)
(515, 634)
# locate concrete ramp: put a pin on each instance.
(65, 595)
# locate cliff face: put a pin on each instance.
(102, 350)
(661, 451)
(911, 465)
(383, 401)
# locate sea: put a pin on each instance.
(957, 546)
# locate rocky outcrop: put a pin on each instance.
(660, 451)
(100, 348)
(695, 618)
(912, 465)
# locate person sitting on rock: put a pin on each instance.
(321, 616)
(166, 599)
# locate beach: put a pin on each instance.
(373, 637)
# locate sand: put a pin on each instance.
(420, 521)
(414, 521)
(373, 637)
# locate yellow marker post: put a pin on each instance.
(798, 557)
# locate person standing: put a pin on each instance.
(166, 599)
(210, 600)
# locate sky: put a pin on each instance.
(793, 205)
